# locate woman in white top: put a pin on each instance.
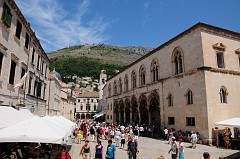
(181, 149)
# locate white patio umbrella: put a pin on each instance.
(233, 122)
(32, 130)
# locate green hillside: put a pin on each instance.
(89, 60)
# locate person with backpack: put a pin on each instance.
(63, 154)
(111, 150)
(99, 151)
(132, 149)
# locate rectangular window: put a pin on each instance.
(171, 121)
(190, 121)
(38, 62)
(42, 66)
(81, 107)
(39, 89)
(35, 88)
(92, 100)
(27, 41)
(107, 116)
(12, 72)
(111, 117)
(18, 29)
(30, 85)
(6, 15)
(33, 53)
(78, 100)
(44, 91)
(1, 61)
(46, 71)
(220, 60)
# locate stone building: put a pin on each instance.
(21, 52)
(86, 105)
(54, 98)
(67, 108)
(188, 83)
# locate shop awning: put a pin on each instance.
(233, 122)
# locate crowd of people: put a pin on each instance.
(96, 132)
(126, 136)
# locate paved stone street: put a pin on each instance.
(152, 148)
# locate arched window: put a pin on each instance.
(142, 74)
(223, 94)
(109, 90)
(189, 97)
(115, 87)
(108, 107)
(120, 85)
(126, 83)
(154, 70)
(178, 61)
(170, 100)
(134, 80)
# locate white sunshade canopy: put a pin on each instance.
(32, 130)
(233, 122)
(10, 116)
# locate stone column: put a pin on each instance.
(139, 115)
(131, 121)
(149, 117)
(119, 117)
(124, 117)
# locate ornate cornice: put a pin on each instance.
(219, 47)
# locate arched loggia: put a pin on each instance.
(127, 111)
(143, 109)
(116, 112)
(121, 109)
(134, 107)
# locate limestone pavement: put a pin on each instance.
(150, 148)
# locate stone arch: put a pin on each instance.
(121, 110)
(88, 116)
(82, 116)
(134, 109)
(143, 109)
(154, 108)
(116, 111)
(142, 75)
(177, 60)
(154, 70)
(127, 110)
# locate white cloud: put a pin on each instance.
(56, 27)
(146, 5)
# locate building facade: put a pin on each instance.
(188, 83)
(86, 105)
(20, 53)
(67, 102)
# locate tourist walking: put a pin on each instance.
(174, 148)
(85, 151)
(117, 137)
(122, 140)
(92, 133)
(132, 149)
(170, 136)
(63, 154)
(165, 134)
(79, 136)
(111, 150)
(99, 151)
(181, 149)
(206, 155)
(194, 140)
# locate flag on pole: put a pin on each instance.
(21, 81)
(50, 76)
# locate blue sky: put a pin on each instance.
(148, 23)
